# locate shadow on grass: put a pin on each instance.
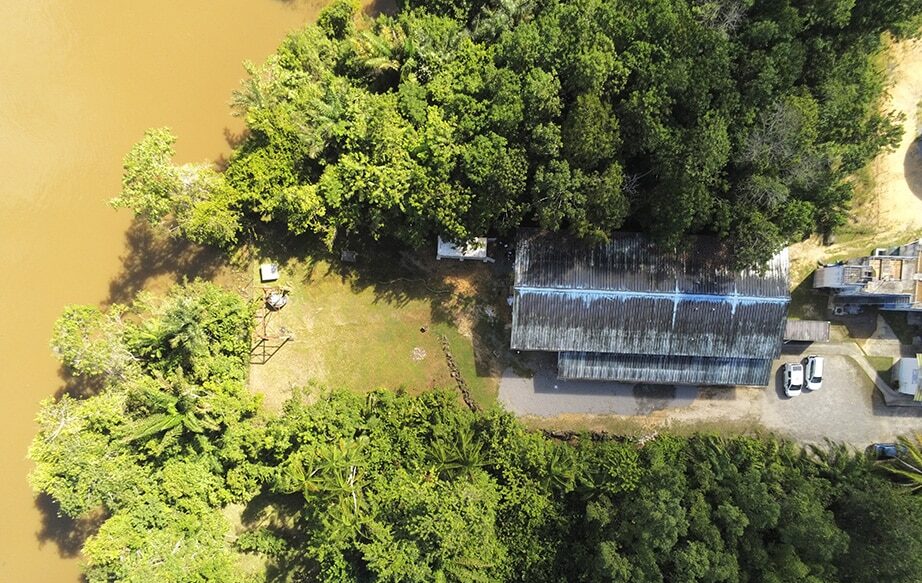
(150, 254)
(277, 516)
(66, 533)
(808, 303)
(377, 7)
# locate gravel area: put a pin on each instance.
(847, 409)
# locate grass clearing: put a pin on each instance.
(883, 365)
(378, 324)
(806, 302)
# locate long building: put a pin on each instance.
(627, 311)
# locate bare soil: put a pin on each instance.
(899, 173)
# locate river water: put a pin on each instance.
(80, 81)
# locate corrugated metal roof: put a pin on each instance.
(558, 320)
(806, 330)
(662, 369)
(627, 296)
(631, 262)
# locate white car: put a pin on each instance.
(813, 369)
(793, 379)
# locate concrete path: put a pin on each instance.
(544, 395)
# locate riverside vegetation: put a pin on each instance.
(389, 487)
(739, 118)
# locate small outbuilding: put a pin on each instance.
(476, 250)
(806, 331)
(889, 279)
(909, 376)
(268, 272)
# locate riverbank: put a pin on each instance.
(81, 83)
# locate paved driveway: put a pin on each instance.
(847, 409)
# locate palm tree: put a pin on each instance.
(381, 52)
(175, 337)
(560, 469)
(260, 89)
(334, 475)
(908, 462)
(181, 413)
(463, 455)
(323, 120)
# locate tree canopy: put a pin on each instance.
(740, 118)
(391, 487)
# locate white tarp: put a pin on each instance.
(908, 375)
(475, 250)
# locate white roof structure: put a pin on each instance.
(268, 272)
(476, 250)
(909, 375)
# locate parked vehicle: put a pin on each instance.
(793, 379)
(885, 451)
(813, 370)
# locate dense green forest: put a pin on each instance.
(740, 118)
(165, 446)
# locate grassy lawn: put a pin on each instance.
(883, 365)
(807, 303)
(378, 325)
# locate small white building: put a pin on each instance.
(476, 250)
(268, 272)
(908, 373)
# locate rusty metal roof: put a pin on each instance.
(661, 369)
(628, 297)
(806, 330)
(631, 262)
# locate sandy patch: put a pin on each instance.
(899, 173)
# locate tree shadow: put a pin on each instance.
(860, 326)
(150, 254)
(378, 7)
(278, 515)
(808, 303)
(912, 167)
(68, 534)
(78, 387)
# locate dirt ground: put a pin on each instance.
(899, 173)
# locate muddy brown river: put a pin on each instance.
(80, 81)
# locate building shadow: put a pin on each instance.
(881, 409)
(67, 534)
(151, 254)
(912, 167)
